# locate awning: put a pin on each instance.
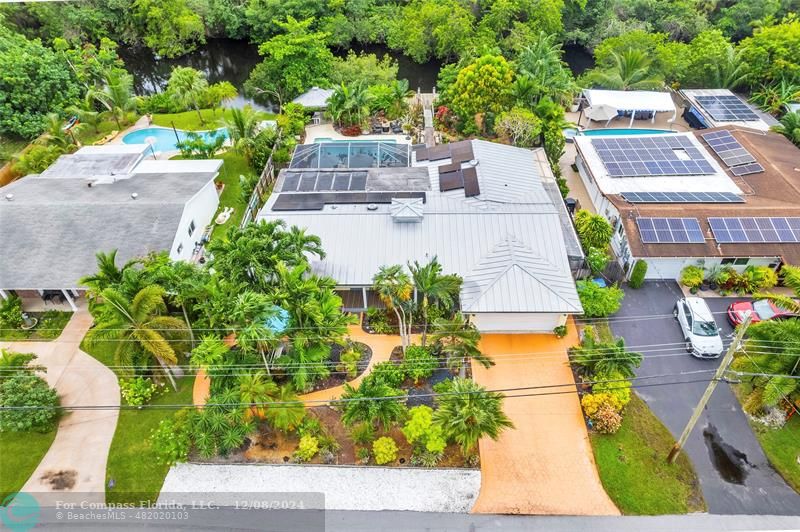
(631, 100)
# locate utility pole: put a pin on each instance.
(723, 367)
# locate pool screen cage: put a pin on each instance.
(357, 154)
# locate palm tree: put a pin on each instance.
(395, 289)
(255, 389)
(730, 72)
(593, 230)
(433, 287)
(349, 104)
(108, 274)
(55, 135)
(287, 415)
(545, 73)
(608, 358)
(13, 363)
(459, 341)
(86, 113)
(187, 87)
(629, 70)
(468, 412)
(524, 91)
(400, 93)
(369, 404)
(116, 95)
(242, 129)
(790, 127)
(774, 98)
(297, 242)
(139, 327)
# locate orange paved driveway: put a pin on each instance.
(545, 465)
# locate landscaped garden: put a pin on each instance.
(18, 325)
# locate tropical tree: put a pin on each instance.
(349, 104)
(399, 94)
(13, 363)
(215, 358)
(289, 413)
(108, 275)
(255, 389)
(630, 69)
(87, 115)
(790, 127)
(242, 126)
(519, 126)
(773, 98)
(605, 357)
(468, 412)
(459, 340)
(394, 287)
(217, 93)
(140, 329)
(483, 86)
(187, 87)
(593, 230)
(55, 135)
(545, 73)
(372, 402)
(433, 288)
(116, 95)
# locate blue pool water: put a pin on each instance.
(165, 137)
(623, 131)
(328, 139)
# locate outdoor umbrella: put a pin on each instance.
(601, 112)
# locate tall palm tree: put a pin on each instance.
(13, 363)
(468, 412)
(400, 93)
(395, 289)
(298, 242)
(288, 415)
(605, 357)
(730, 72)
(255, 389)
(433, 288)
(459, 341)
(629, 70)
(546, 74)
(790, 127)
(242, 128)
(108, 274)
(187, 87)
(116, 95)
(55, 135)
(369, 404)
(140, 329)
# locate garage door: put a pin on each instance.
(664, 268)
(516, 322)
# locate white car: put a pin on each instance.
(699, 328)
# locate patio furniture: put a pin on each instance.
(385, 127)
(224, 216)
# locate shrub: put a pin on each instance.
(197, 146)
(597, 301)
(329, 444)
(158, 103)
(385, 450)
(11, 312)
(638, 274)
(170, 440)
(349, 361)
(388, 373)
(620, 391)
(137, 391)
(36, 159)
(419, 362)
(52, 323)
(560, 331)
(755, 278)
(25, 389)
(363, 455)
(362, 434)
(592, 402)
(378, 321)
(593, 230)
(597, 260)
(692, 277)
(422, 432)
(606, 420)
(310, 426)
(426, 458)
(307, 449)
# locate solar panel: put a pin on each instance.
(451, 181)
(726, 108)
(754, 168)
(728, 148)
(767, 230)
(358, 181)
(682, 197)
(651, 156)
(670, 230)
(471, 185)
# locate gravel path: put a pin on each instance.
(344, 488)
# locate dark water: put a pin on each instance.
(420, 76)
(578, 58)
(730, 463)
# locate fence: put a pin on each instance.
(262, 189)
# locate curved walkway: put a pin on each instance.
(79, 452)
(546, 464)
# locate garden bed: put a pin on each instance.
(49, 327)
(421, 393)
(337, 378)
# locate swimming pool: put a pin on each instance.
(165, 137)
(328, 139)
(623, 131)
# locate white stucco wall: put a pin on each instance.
(200, 209)
(670, 268)
(516, 322)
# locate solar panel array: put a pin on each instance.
(670, 230)
(318, 181)
(661, 155)
(726, 108)
(682, 197)
(739, 230)
(747, 169)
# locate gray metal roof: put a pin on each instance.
(314, 98)
(464, 232)
(87, 163)
(52, 228)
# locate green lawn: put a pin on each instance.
(189, 120)
(50, 325)
(633, 468)
(782, 446)
(234, 166)
(132, 464)
(20, 453)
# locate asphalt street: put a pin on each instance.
(734, 473)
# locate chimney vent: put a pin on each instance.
(9, 197)
(134, 195)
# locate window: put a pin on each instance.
(728, 261)
(735, 261)
(191, 228)
(688, 313)
(180, 248)
(741, 262)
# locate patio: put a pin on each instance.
(648, 110)
(44, 300)
(327, 132)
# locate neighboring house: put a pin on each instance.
(632, 105)
(100, 198)
(708, 108)
(723, 196)
(491, 213)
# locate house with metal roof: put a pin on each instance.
(491, 213)
(724, 196)
(99, 198)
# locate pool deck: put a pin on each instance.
(326, 131)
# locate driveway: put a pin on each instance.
(545, 465)
(76, 461)
(735, 476)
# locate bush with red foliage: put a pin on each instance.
(351, 131)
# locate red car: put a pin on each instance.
(762, 310)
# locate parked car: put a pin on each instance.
(699, 328)
(762, 310)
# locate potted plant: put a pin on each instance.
(692, 278)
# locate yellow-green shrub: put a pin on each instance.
(385, 450)
(592, 402)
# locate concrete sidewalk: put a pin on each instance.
(77, 458)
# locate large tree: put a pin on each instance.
(771, 53)
(187, 87)
(483, 86)
(170, 29)
(433, 288)
(116, 95)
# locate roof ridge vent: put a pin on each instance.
(406, 210)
